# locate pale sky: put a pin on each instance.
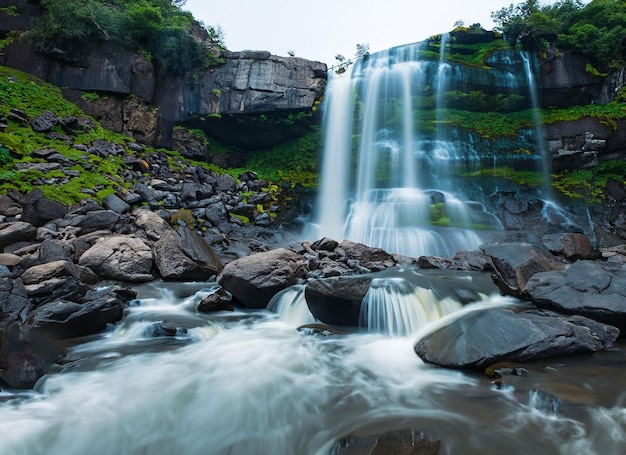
(320, 29)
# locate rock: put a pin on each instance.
(189, 145)
(61, 287)
(263, 220)
(23, 363)
(44, 122)
(185, 256)
(217, 213)
(19, 231)
(372, 259)
(483, 337)
(9, 260)
(8, 207)
(123, 258)
(570, 246)
(38, 210)
(226, 183)
(65, 319)
(152, 224)
(594, 289)
(48, 270)
(216, 301)
(253, 280)
(515, 263)
(337, 300)
(325, 244)
(51, 250)
(434, 262)
(95, 220)
(398, 442)
(116, 204)
(14, 301)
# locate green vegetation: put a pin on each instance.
(590, 183)
(158, 28)
(595, 30)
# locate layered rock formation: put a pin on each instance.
(141, 101)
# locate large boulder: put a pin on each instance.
(123, 258)
(14, 302)
(594, 289)
(185, 256)
(513, 264)
(480, 338)
(253, 280)
(38, 209)
(337, 300)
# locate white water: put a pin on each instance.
(384, 191)
(252, 384)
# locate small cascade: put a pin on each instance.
(398, 308)
(291, 306)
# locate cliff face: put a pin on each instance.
(248, 82)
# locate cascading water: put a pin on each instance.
(388, 180)
(247, 383)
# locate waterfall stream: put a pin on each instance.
(250, 383)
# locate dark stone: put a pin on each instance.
(95, 221)
(14, 301)
(44, 122)
(116, 204)
(570, 246)
(185, 256)
(16, 232)
(67, 288)
(337, 300)
(594, 289)
(220, 300)
(63, 319)
(325, 244)
(253, 280)
(481, 338)
(515, 263)
(38, 210)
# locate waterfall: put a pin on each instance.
(388, 180)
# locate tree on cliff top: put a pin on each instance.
(159, 28)
(596, 30)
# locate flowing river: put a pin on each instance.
(249, 382)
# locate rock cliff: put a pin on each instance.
(129, 84)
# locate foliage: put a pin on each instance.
(595, 30)
(158, 28)
(590, 183)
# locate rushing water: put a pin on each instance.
(250, 383)
(387, 179)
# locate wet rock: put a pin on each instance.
(62, 287)
(183, 255)
(253, 280)
(372, 259)
(337, 300)
(95, 220)
(484, 337)
(398, 442)
(123, 258)
(220, 300)
(63, 319)
(48, 270)
(594, 289)
(515, 263)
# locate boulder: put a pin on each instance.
(253, 280)
(116, 204)
(62, 287)
(594, 289)
(372, 259)
(14, 301)
(183, 255)
(63, 319)
(38, 210)
(513, 264)
(337, 300)
(19, 231)
(95, 220)
(48, 270)
(123, 258)
(570, 246)
(483, 337)
(152, 224)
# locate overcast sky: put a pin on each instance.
(320, 29)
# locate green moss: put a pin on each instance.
(590, 184)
